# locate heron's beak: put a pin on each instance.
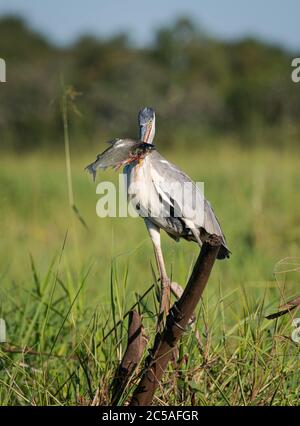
(146, 131)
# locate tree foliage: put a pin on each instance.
(196, 83)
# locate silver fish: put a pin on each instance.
(120, 153)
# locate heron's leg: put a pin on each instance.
(154, 233)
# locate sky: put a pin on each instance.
(63, 21)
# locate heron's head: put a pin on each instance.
(147, 124)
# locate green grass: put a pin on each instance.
(63, 286)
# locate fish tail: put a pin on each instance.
(91, 169)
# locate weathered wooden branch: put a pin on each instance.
(285, 308)
(177, 290)
(132, 356)
(176, 322)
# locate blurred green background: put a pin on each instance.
(201, 88)
(227, 113)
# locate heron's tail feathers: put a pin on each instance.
(224, 252)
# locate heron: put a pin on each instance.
(153, 187)
(161, 175)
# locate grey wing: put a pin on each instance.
(180, 194)
(211, 223)
(188, 203)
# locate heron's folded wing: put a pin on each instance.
(183, 195)
(175, 188)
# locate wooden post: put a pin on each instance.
(176, 323)
(133, 354)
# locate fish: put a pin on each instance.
(120, 153)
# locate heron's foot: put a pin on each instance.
(165, 294)
(164, 307)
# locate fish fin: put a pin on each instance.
(113, 141)
(90, 168)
